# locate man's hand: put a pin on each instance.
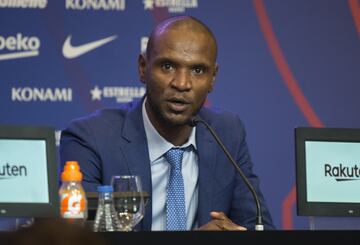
(220, 222)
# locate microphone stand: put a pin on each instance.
(258, 225)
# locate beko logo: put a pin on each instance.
(106, 5)
(341, 172)
(23, 4)
(8, 171)
(27, 94)
(19, 46)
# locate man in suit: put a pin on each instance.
(178, 70)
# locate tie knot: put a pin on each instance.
(174, 157)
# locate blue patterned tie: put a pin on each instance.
(175, 201)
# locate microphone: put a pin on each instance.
(258, 225)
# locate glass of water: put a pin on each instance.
(128, 200)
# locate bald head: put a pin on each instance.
(179, 70)
(187, 25)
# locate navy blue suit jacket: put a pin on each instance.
(113, 142)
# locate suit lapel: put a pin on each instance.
(136, 152)
(207, 160)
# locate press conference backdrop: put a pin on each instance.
(282, 64)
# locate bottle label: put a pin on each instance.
(73, 206)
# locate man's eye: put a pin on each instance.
(167, 66)
(198, 70)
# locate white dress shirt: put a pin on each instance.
(160, 172)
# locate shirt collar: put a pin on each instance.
(157, 145)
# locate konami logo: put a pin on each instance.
(19, 46)
(27, 94)
(106, 5)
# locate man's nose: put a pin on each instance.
(182, 80)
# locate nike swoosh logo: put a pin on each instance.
(71, 52)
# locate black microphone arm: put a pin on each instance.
(258, 225)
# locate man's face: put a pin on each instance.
(179, 73)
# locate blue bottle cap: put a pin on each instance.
(105, 188)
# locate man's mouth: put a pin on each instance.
(178, 105)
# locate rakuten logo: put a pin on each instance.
(106, 5)
(9, 171)
(28, 94)
(23, 4)
(19, 46)
(342, 172)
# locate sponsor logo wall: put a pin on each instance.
(281, 66)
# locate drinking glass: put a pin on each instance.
(128, 200)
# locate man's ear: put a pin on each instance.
(142, 67)
(214, 77)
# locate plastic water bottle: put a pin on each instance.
(106, 218)
(73, 203)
